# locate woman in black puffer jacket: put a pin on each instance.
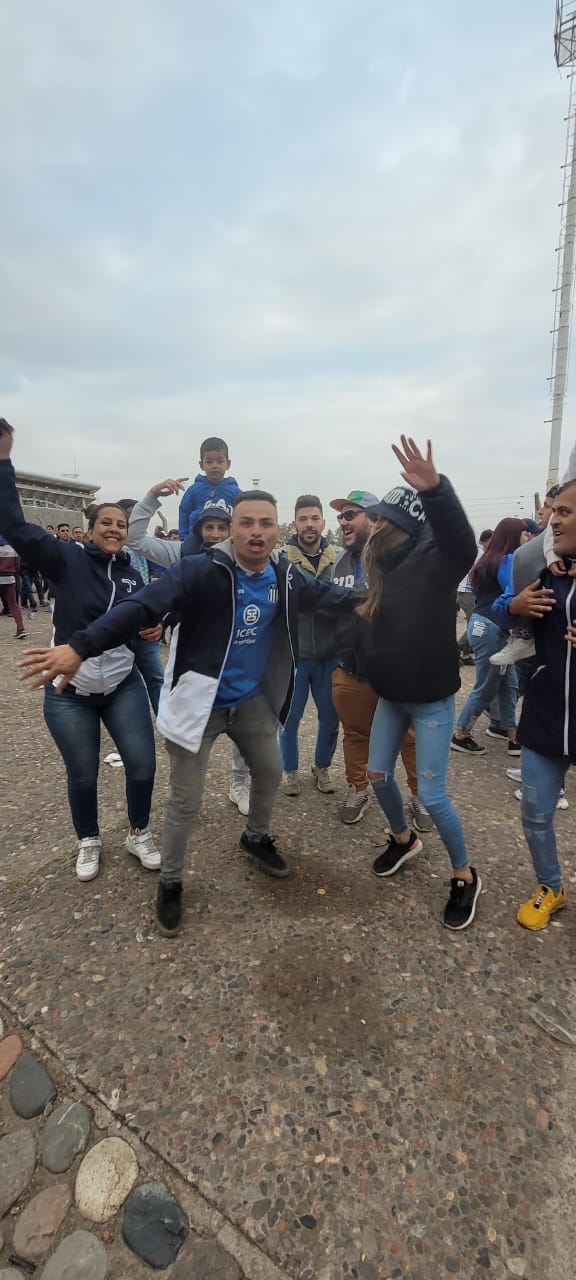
(421, 547)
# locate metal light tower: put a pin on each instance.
(565, 52)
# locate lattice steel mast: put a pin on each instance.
(565, 53)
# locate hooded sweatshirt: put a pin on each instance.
(86, 582)
(199, 494)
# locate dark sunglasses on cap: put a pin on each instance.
(350, 514)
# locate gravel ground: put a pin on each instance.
(357, 1090)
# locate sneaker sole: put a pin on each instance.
(168, 933)
(501, 737)
(87, 879)
(457, 928)
(515, 753)
(411, 853)
(465, 751)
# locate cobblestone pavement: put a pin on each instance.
(357, 1091)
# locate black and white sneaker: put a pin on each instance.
(265, 853)
(514, 748)
(460, 908)
(395, 854)
(468, 745)
(169, 908)
(496, 731)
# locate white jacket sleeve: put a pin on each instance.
(158, 550)
(549, 551)
(570, 472)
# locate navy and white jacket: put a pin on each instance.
(202, 591)
(86, 583)
(548, 719)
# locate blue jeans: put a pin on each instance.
(491, 682)
(74, 723)
(433, 723)
(148, 661)
(314, 677)
(542, 782)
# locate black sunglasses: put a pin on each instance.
(350, 514)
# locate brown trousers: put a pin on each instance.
(355, 703)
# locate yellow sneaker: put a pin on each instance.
(536, 913)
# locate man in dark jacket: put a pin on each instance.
(547, 729)
(230, 670)
(314, 557)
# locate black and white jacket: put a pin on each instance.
(201, 590)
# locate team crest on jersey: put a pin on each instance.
(251, 615)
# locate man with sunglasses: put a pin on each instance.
(354, 699)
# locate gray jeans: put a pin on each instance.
(254, 729)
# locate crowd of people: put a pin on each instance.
(256, 627)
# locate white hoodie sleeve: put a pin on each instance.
(158, 550)
(570, 472)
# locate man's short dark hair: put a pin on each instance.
(486, 535)
(65, 524)
(214, 444)
(307, 500)
(254, 495)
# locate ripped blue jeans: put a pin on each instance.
(433, 723)
(542, 782)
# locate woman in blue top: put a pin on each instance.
(491, 579)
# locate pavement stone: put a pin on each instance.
(105, 1177)
(40, 1221)
(10, 1050)
(31, 1089)
(9, 1273)
(81, 1256)
(154, 1225)
(17, 1161)
(65, 1136)
(206, 1260)
(317, 1049)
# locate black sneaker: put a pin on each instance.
(460, 908)
(496, 731)
(468, 745)
(169, 908)
(514, 748)
(263, 849)
(395, 854)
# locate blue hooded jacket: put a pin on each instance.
(197, 497)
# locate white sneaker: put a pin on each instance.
(291, 783)
(239, 794)
(88, 860)
(515, 649)
(141, 844)
(562, 802)
(515, 775)
(323, 779)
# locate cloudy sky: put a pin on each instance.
(306, 225)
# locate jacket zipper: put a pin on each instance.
(288, 581)
(567, 674)
(113, 584)
(231, 636)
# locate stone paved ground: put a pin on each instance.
(356, 1090)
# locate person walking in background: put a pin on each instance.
(9, 566)
(466, 601)
(491, 580)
